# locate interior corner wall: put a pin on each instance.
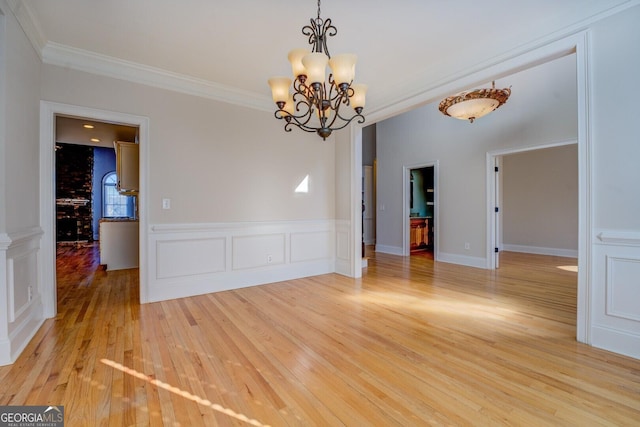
(424, 135)
(539, 206)
(20, 304)
(344, 202)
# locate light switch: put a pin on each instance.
(166, 203)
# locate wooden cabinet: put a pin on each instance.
(127, 167)
(419, 234)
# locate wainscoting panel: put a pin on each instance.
(22, 271)
(177, 258)
(623, 288)
(258, 250)
(21, 305)
(616, 292)
(193, 259)
(343, 248)
(309, 246)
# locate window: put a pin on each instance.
(115, 204)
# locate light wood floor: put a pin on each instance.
(412, 343)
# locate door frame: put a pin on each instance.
(48, 113)
(406, 208)
(494, 219)
(578, 43)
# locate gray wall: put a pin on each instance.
(541, 110)
(540, 201)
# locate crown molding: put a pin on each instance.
(90, 62)
(83, 60)
(30, 25)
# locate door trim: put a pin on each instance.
(48, 112)
(406, 209)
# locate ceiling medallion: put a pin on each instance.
(317, 105)
(474, 104)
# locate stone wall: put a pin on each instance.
(74, 170)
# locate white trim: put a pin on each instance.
(616, 340)
(617, 237)
(569, 253)
(491, 201)
(48, 111)
(468, 261)
(185, 260)
(90, 62)
(30, 25)
(391, 250)
(356, 197)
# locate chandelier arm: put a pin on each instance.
(317, 32)
(347, 122)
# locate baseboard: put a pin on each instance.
(468, 261)
(186, 286)
(616, 341)
(569, 253)
(391, 250)
(11, 348)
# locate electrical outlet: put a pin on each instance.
(269, 259)
(467, 245)
(166, 203)
(30, 293)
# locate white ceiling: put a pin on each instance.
(403, 46)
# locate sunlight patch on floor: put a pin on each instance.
(436, 306)
(180, 392)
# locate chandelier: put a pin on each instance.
(313, 104)
(474, 104)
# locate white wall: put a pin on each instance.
(231, 174)
(217, 162)
(540, 201)
(20, 305)
(615, 177)
(541, 110)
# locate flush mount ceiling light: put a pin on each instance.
(474, 104)
(317, 105)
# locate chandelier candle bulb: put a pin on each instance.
(295, 58)
(315, 64)
(343, 68)
(280, 89)
(359, 97)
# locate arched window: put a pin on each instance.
(115, 204)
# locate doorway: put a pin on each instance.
(89, 206)
(536, 186)
(49, 111)
(420, 208)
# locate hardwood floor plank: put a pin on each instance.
(413, 342)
